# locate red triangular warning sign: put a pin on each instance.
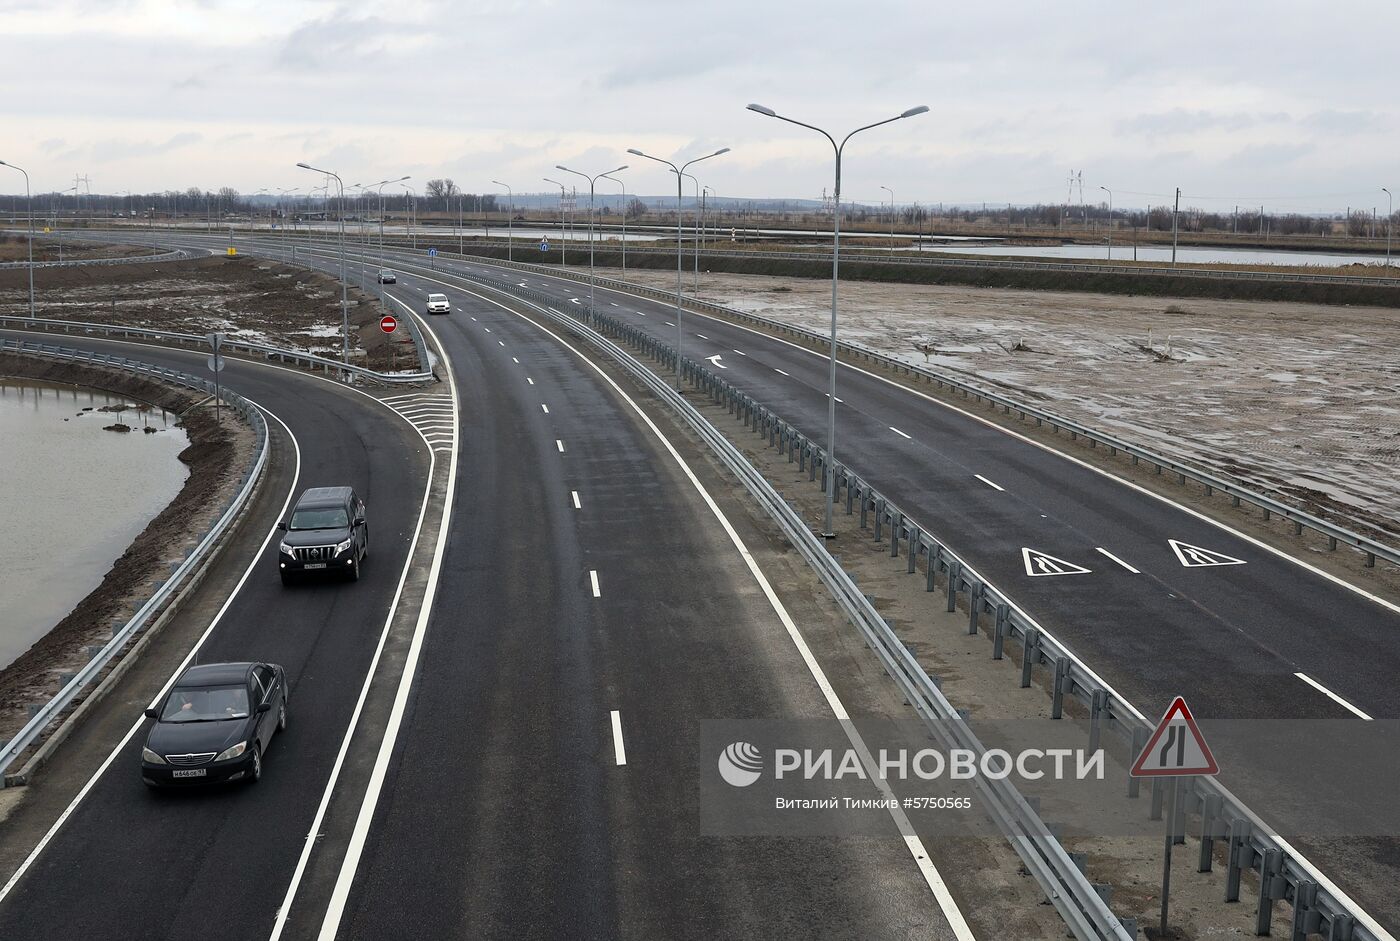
(1175, 748)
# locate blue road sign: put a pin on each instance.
(544, 245)
(432, 253)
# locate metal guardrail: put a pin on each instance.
(1284, 875)
(46, 714)
(1068, 889)
(174, 255)
(1184, 471)
(261, 350)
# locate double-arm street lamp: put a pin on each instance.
(344, 295)
(608, 176)
(510, 222)
(592, 184)
(563, 244)
(1110, 220)
(29, 202)
(679, 171)
(830, 469)
(379, 187)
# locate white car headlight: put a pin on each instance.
(343, 546)
(149, 756)
(232, 752)
(286, 549)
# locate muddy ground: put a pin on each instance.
(1302, 399)
(16, 248)
(216, 457)
(249, 299)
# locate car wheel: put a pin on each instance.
(282, 716)
(255, 775)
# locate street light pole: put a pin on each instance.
(344, 291)
(592, 185)
(679, 172)
(891, 192)
(380, 187)
(29, 202)
(563, 245)
(1110, 220)
(510, 222)
(1176, 215)
(697, 231)
(624, 221)
(1389, 217)
(828, 531)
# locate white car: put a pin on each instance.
(438, 304)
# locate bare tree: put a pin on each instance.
(442, 191)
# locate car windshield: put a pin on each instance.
(206, 704)
(437, 297)
(330, 517)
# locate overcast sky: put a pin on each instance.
(1286, 103)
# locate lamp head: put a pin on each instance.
(618, 170)
(633, 150)
(913, 111)
(722, 150)
(762, 110)
(306, 166)
(560, 166)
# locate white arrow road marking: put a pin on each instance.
(619, 753)
(574, 300)
(1038, 563)
(716, 361)
(1333, 696)
(984, 480)
(1118, 560)
(1194, 557)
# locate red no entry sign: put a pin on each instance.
(387, 323)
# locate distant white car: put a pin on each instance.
(438, 304)
(387, 277)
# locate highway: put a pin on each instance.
(189, 864)
(526, 760)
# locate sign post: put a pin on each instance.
(216, 366)
(1175, 749)
(432, 255)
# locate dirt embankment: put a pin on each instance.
(254, 300)
(16, 248)
(216, 457)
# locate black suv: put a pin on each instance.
(326, 533)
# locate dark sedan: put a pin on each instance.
(215, 724)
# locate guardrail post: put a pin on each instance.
(934, 552)
(974, 605)
(850, 493)
(1030, 652)
(1179, 812)
(1097, 704)
(915, 541)
(954, 573)
(896, 523)
(812, 463)
(1306, 918)
(879, 517)
(1159, 794)
(1062, 678)
(1271, 888)
(1210, 830)
(1239, 856)
(864, 507)
(1139, 743)
(999, 633)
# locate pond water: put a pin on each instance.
(74, 496)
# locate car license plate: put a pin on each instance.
(315, 565)
(189, 772)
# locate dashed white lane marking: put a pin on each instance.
(474, 320)
(781, 373)
(529, 380)
(741, 353)
(641, 313)
(1118, 560)
(514, 360)
(574, 494)
(1333, 696)
(989, 483)
(501, 342)
(839, 400)
(615, 304)
(593, 577)
(898, 432)
(487, 329)
(669, 324)
(619, 753)
(559, 444)
(545, 407)
(702, 336)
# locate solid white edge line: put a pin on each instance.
(335, 908)
(912, 841)
(898, 432)
(593, 578)
(577, 504)
(1333, 696)
(198, 645)
(989, 483)
(619, 753)
(284, 910)
(1118, 560)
